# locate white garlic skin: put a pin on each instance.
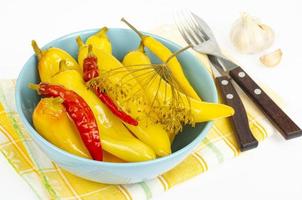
(249, 36)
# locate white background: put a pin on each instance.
(273, 170)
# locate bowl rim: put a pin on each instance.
(36, 135)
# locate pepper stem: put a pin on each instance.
(132, 27)
(90, 51)
(57, 100)
(36, 49)
(34, 86)
(80, 42)
(102, 32)
(62, 66)
(141, 47)
(177, 53)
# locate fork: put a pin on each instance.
(239, 120)
(198, 34)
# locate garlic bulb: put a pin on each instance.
(272, 59)
(250, 36)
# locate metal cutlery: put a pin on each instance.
(244, 135)
(198, 34)
(245, 138)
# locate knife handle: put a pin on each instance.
(239, 120)
(280, 119)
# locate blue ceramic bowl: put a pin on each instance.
(123, 41)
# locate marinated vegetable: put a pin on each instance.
(80, 113)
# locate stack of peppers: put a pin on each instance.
(90, 119)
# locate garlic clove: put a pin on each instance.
(248, 35)
(272, 59)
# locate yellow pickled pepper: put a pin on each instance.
(48, 61)
(148, 132)
(64, 134)
(166, 56)
(108, 157)
(100, 40)
(201, 111)
(115, 137)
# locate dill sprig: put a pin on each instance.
(170, 109)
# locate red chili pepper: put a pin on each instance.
(90, 71)
(90, 66)
(114, 109)
(80, 113)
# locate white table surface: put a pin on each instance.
(273, 170)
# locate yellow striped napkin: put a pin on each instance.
(49, 181)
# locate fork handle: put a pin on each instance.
(280, 119)
(244, 136)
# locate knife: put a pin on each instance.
(287, 127)
(239, 120)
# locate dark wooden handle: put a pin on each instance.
(279, 118)
(239, 120)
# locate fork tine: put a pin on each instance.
(183, 33)
(203, 27)
(188, 29)
(182, 30)
(197, 33)
(190, 23)
(197, 29)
